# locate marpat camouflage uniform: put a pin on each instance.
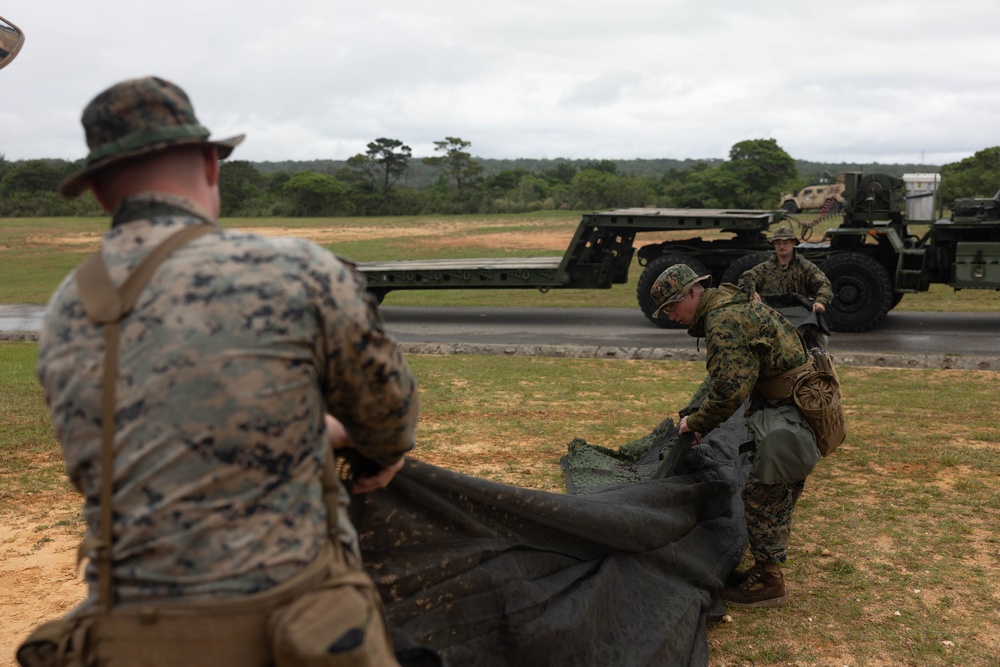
(746, 340)
(799, 276)
(234, 352)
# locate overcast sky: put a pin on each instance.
(915, 81)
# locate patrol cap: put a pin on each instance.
(673, 285)
(784, 233)
(137, 117)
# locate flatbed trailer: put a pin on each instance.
(598, 256)
(872, 258)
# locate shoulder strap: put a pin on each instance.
(108, 305)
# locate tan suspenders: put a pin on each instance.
(108, 305)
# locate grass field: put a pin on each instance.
(38, 252)
(895, 553)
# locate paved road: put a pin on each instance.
(907, 339)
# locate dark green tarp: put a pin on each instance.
(620, 571)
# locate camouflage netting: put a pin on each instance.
(623, 570)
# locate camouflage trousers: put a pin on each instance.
(767, 509)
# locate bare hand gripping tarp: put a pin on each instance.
(623, 570)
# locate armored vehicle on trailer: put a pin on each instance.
(873, 258)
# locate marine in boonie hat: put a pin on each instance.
(137, 117)
(784, 233)
(673, 285)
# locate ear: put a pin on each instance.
(210, 156)
(101, 198)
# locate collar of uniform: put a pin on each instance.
(146, 205)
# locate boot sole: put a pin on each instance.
(772, 602)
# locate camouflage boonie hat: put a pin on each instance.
(137, 117)
(784, 233)
(673, 285)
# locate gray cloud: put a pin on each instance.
(865, 81)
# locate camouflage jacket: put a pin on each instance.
(234, 352)
(744, 340)
(800, 276)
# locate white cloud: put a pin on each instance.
(866, 81)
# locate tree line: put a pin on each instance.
(382, 181)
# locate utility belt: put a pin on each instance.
(329, 614)
(780, 387)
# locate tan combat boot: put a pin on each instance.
(764, 586)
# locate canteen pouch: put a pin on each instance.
(340, 623)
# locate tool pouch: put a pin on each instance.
(340, 624)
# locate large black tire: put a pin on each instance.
(862, 292)
(649, 275)
(743, 264)
(789, 206)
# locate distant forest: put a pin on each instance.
(420, 175)
(388, 180)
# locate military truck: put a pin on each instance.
(872, 258)
(825, 197)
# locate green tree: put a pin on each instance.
(605, 166)
(385, 162)
(589, 189)
(701, 186)
(976, 176)
(34, 176)
(758, 170)
(456, 163)
(562, 172)
(309, 194)
(242, 188)
(506, 180)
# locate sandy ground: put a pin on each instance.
(38, 574)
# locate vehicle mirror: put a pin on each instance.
(11, 40)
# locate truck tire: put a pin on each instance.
(789, 206)
(743, 264)
(649, 275)
(862, 292)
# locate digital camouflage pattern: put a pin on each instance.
(233, 354)
(673, 284)
(768, 511)
(784, 233)
(800, 276)
(136, 117)
(744, 340)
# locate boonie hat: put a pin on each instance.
(673, 285)
(137, 117)
(784, 233)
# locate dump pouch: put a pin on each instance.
(784, 444)
(814, 387)
(818, 396)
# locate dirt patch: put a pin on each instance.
(38, 575)
(442, 233)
